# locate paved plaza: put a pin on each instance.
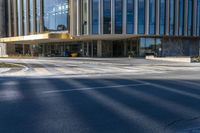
(93, 95)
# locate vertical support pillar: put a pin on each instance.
(41, 16)
(157, 17)
(125, 48)
(78, 17)
(167, 18)
(194, 18)
(185, 17)
(34, 17)
(15, 17)
(21, 18)
(136, 16)
(101, 17)
(27, 18)
(89, 14)
(176, 25)
(99, 48)
(9, 19)
(146, 17)
(23, 47)
(112, 16)
(124, 16)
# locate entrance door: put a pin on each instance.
(118, 49)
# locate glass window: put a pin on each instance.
(181, 6)
(38, 16)
(130, 16)
(189, 17)
(24, 16)
(162, 17)
(95, 16)
(152, 11)
(141, 15)
(31, 15)
(118, 16)
(171, 17)
(107, 17)
(55, 15)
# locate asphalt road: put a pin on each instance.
(166, 102)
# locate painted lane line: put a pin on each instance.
(94, 88)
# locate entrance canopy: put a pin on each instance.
(38, 38)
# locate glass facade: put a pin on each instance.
(171, 17)
(95, 16)
(181, 12)
(55, 15)
(130, 17)
(152, 11)
(118, 16)
(141, 16)
(106, 16)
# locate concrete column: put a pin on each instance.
(157, 17)
(112, 16)
(99, 48)
(176, 25)
(2, 18)
(167, 18)
(124, 16)
(146, 17)
(101, 17)
(23, 47)
(21, 18)
(194, 17)
(34, 17)
(27, 18)
(78, 17)
(15, 17)
(185, 27)
(9, 19)
(41, 16)
(125, 48)
(136, 16)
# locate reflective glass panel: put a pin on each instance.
(130, 16)
(55, 15)
(152, 12)
(141, 15)
(95, 16)
(107, 17)
(118, 16)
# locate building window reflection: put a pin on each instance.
(152, 11)
(55, 15)
(162, 17)
(141, 16)
(106, 16)
(95, 16)
(130, 16)
(118, 16)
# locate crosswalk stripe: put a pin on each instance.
(42, 71)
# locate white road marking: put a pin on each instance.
(94, 88)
